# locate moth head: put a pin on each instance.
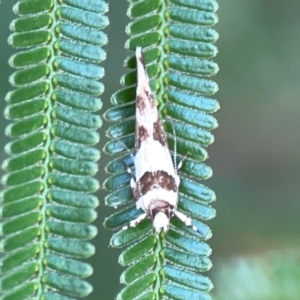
(161, 221)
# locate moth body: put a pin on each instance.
(156, 182)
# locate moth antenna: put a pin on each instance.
(175, 146)
(127, 149)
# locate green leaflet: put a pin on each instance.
(177, 41)
(47, 206)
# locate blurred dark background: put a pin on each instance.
(255, 157)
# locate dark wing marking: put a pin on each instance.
(159, 133)
(141, 134)
(158, 179)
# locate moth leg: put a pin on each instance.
(186, 220)
(182, 160)
(177, 178)
(133, 183)
(136, 221)
(134, 189)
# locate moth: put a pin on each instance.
(156, 182)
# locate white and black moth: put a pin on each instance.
(155, 187)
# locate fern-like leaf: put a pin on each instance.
(47, 207)
(178, 44)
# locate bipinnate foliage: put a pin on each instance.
(177, 40)
(47, 206)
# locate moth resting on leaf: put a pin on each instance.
(156, 182)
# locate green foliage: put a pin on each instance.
(178, 44)
(46, 206)
(274, 275)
